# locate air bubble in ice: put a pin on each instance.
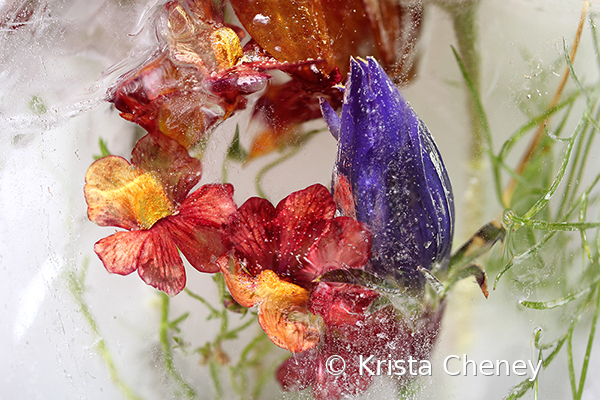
(261, 19)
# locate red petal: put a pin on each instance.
(201, 245)
(347, 244)
(302, 217)
(299, 371)
(342, 195)
(120, 252)
(341, 304)
(170, 162)
(211, 205)
(160, 264)
(251, 234)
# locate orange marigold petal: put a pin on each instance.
(283, 313)
(119, 194)
(292, 30)
(160, 264)
(120, 252)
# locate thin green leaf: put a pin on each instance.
(519, 133)
(518, 391)
(103, 149)
(202, 300)
(588, 350)
(582, 216)
(554, 226)
(523, 256)
(235, 151)
(543, 201)
(595, 39)
(548, 305)
(174, 324)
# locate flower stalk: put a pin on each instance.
(464, 21)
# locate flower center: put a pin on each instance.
(147, 200)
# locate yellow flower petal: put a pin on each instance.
(119, 194)
(283, 313)
(227, 47)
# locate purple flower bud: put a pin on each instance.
(399, 186)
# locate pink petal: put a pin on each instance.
(302, 217)
(173, 166)
(342, 195)
(160, 264)
(120, 252)
(251, 236)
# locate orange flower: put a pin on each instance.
(149, 198)
(279, 252)
(329, 31)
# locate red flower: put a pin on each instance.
(149, 198)
(277, 254)
(199, 78)
(383, 335)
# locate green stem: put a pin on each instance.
(185, 388)
(464, 19)
(76, 287)
(588, 350)
(297, 147)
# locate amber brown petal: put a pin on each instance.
(169, 162)
(241, 285)
(292, 30)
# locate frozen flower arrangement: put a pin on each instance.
(330, 273)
